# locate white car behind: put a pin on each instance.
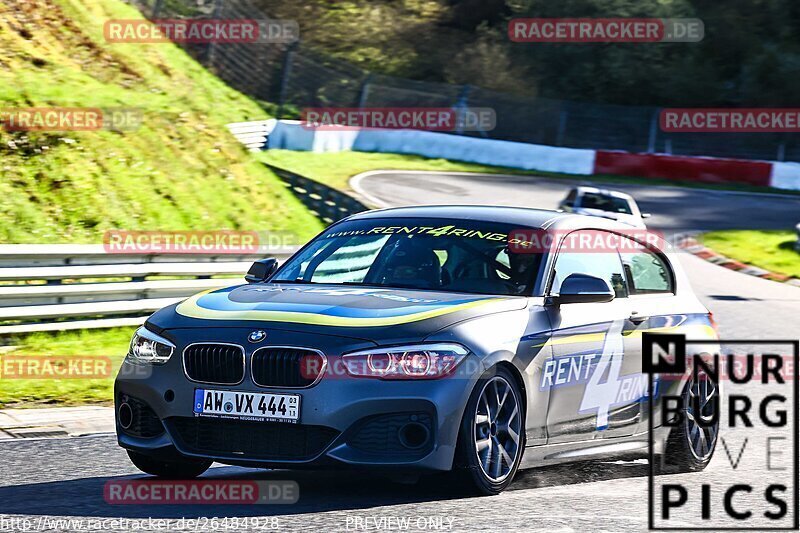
(604, 203)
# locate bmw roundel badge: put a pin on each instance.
(257, 336)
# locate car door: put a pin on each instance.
(654, 306)
(594, 359)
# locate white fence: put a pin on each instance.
(60, 287)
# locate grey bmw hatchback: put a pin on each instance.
(476, 340)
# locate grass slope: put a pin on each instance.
(180, 170)
(771, 250)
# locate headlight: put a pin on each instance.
(147, 348)
(420, 361)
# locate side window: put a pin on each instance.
(569, 201)
(502, 258)
(601, 264)
(646, 271)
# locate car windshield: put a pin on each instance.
(604, 202)
(432, 254)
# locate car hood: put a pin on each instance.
(381, 315)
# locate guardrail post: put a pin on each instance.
(562, 126)
(651, 142)
(210, 55)
(781, 156)
(461, 107)
(364, 93)
(156, 9)
(287, 72)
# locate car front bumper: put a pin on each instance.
(344, 421)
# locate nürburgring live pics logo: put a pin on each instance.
(752, 481)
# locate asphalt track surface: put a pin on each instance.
(50, 479)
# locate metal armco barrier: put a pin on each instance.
(325, 202)
(60, 287)
(252, 134)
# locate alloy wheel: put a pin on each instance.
(498, 424)
(701, 410)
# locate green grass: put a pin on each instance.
(112, 343)
(181, 169)
(770, 250)
(336, 168)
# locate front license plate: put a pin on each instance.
(247, 405)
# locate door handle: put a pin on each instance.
(636, 318)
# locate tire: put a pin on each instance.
(690, 447)
(478, 471)
(181, 469)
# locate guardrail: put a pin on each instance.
(327, 203)
(60, 287)
(253, 134)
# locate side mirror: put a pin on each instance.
(261, 270)
(646, 215)
(583, 289)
